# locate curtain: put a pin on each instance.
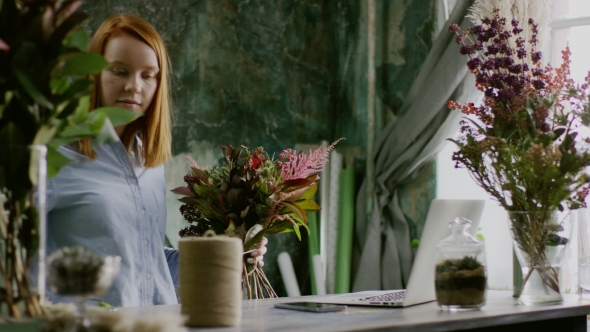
(415, 137)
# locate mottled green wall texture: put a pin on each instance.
(276, 73)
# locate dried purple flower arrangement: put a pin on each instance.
(250, 196)
(522, 144)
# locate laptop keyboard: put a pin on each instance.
(396, 296)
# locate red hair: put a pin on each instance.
(154, 126)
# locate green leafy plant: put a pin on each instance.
(45, 79)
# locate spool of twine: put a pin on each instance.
(211, 280)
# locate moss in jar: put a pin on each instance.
(460, 282)
(74, 271)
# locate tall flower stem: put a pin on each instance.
(534, 233)
(256, 283)
(15, 287)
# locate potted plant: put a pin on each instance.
(460, 283)
(45, 79)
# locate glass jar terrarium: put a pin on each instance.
(460, 279)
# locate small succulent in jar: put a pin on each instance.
(74, 271)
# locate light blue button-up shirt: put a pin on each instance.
(115, 206)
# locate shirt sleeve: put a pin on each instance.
(173, 263)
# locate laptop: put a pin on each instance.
(420, 287)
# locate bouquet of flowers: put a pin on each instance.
(522, 144)
(250, 196)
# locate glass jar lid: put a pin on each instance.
(460, 239)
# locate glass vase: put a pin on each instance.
(540, 240)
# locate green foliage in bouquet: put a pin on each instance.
(252, 195)
(45, 80)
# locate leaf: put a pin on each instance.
(91, 127)
(118, 116)
(278, 226)
(83, 64)
(567, 141)
(79, 39)
(300, 213)
(55, 161)
(253, 236)
(199, 173)
(482, 129)
(183, 191)
(307, 205)
(28, 85)
(104, 304)
(59, 85)
(294, 184)
(81, 111)
(305, 226)
(455, 141)
(78, 89)
(66, 10)
(296, 230)
(530, 104)
(558, 132)
(70, 108)
(76, 132)
(311, 191)
(58, 36)
(107, 134)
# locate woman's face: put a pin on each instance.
(131, 79)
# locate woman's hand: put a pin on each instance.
(258, 252)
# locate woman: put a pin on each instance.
(111, 200)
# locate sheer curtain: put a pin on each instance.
(403, 146)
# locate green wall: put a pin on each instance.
(277, 73)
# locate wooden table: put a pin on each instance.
(501, 313)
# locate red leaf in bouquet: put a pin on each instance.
(303, 193)
(294, 184)
(183, 191)
(200, 174)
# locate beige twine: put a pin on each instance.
(210, 280)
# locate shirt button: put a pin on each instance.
(131, 153)
(142, 211)
(145, 242)
(148, 276)
(133, 181)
